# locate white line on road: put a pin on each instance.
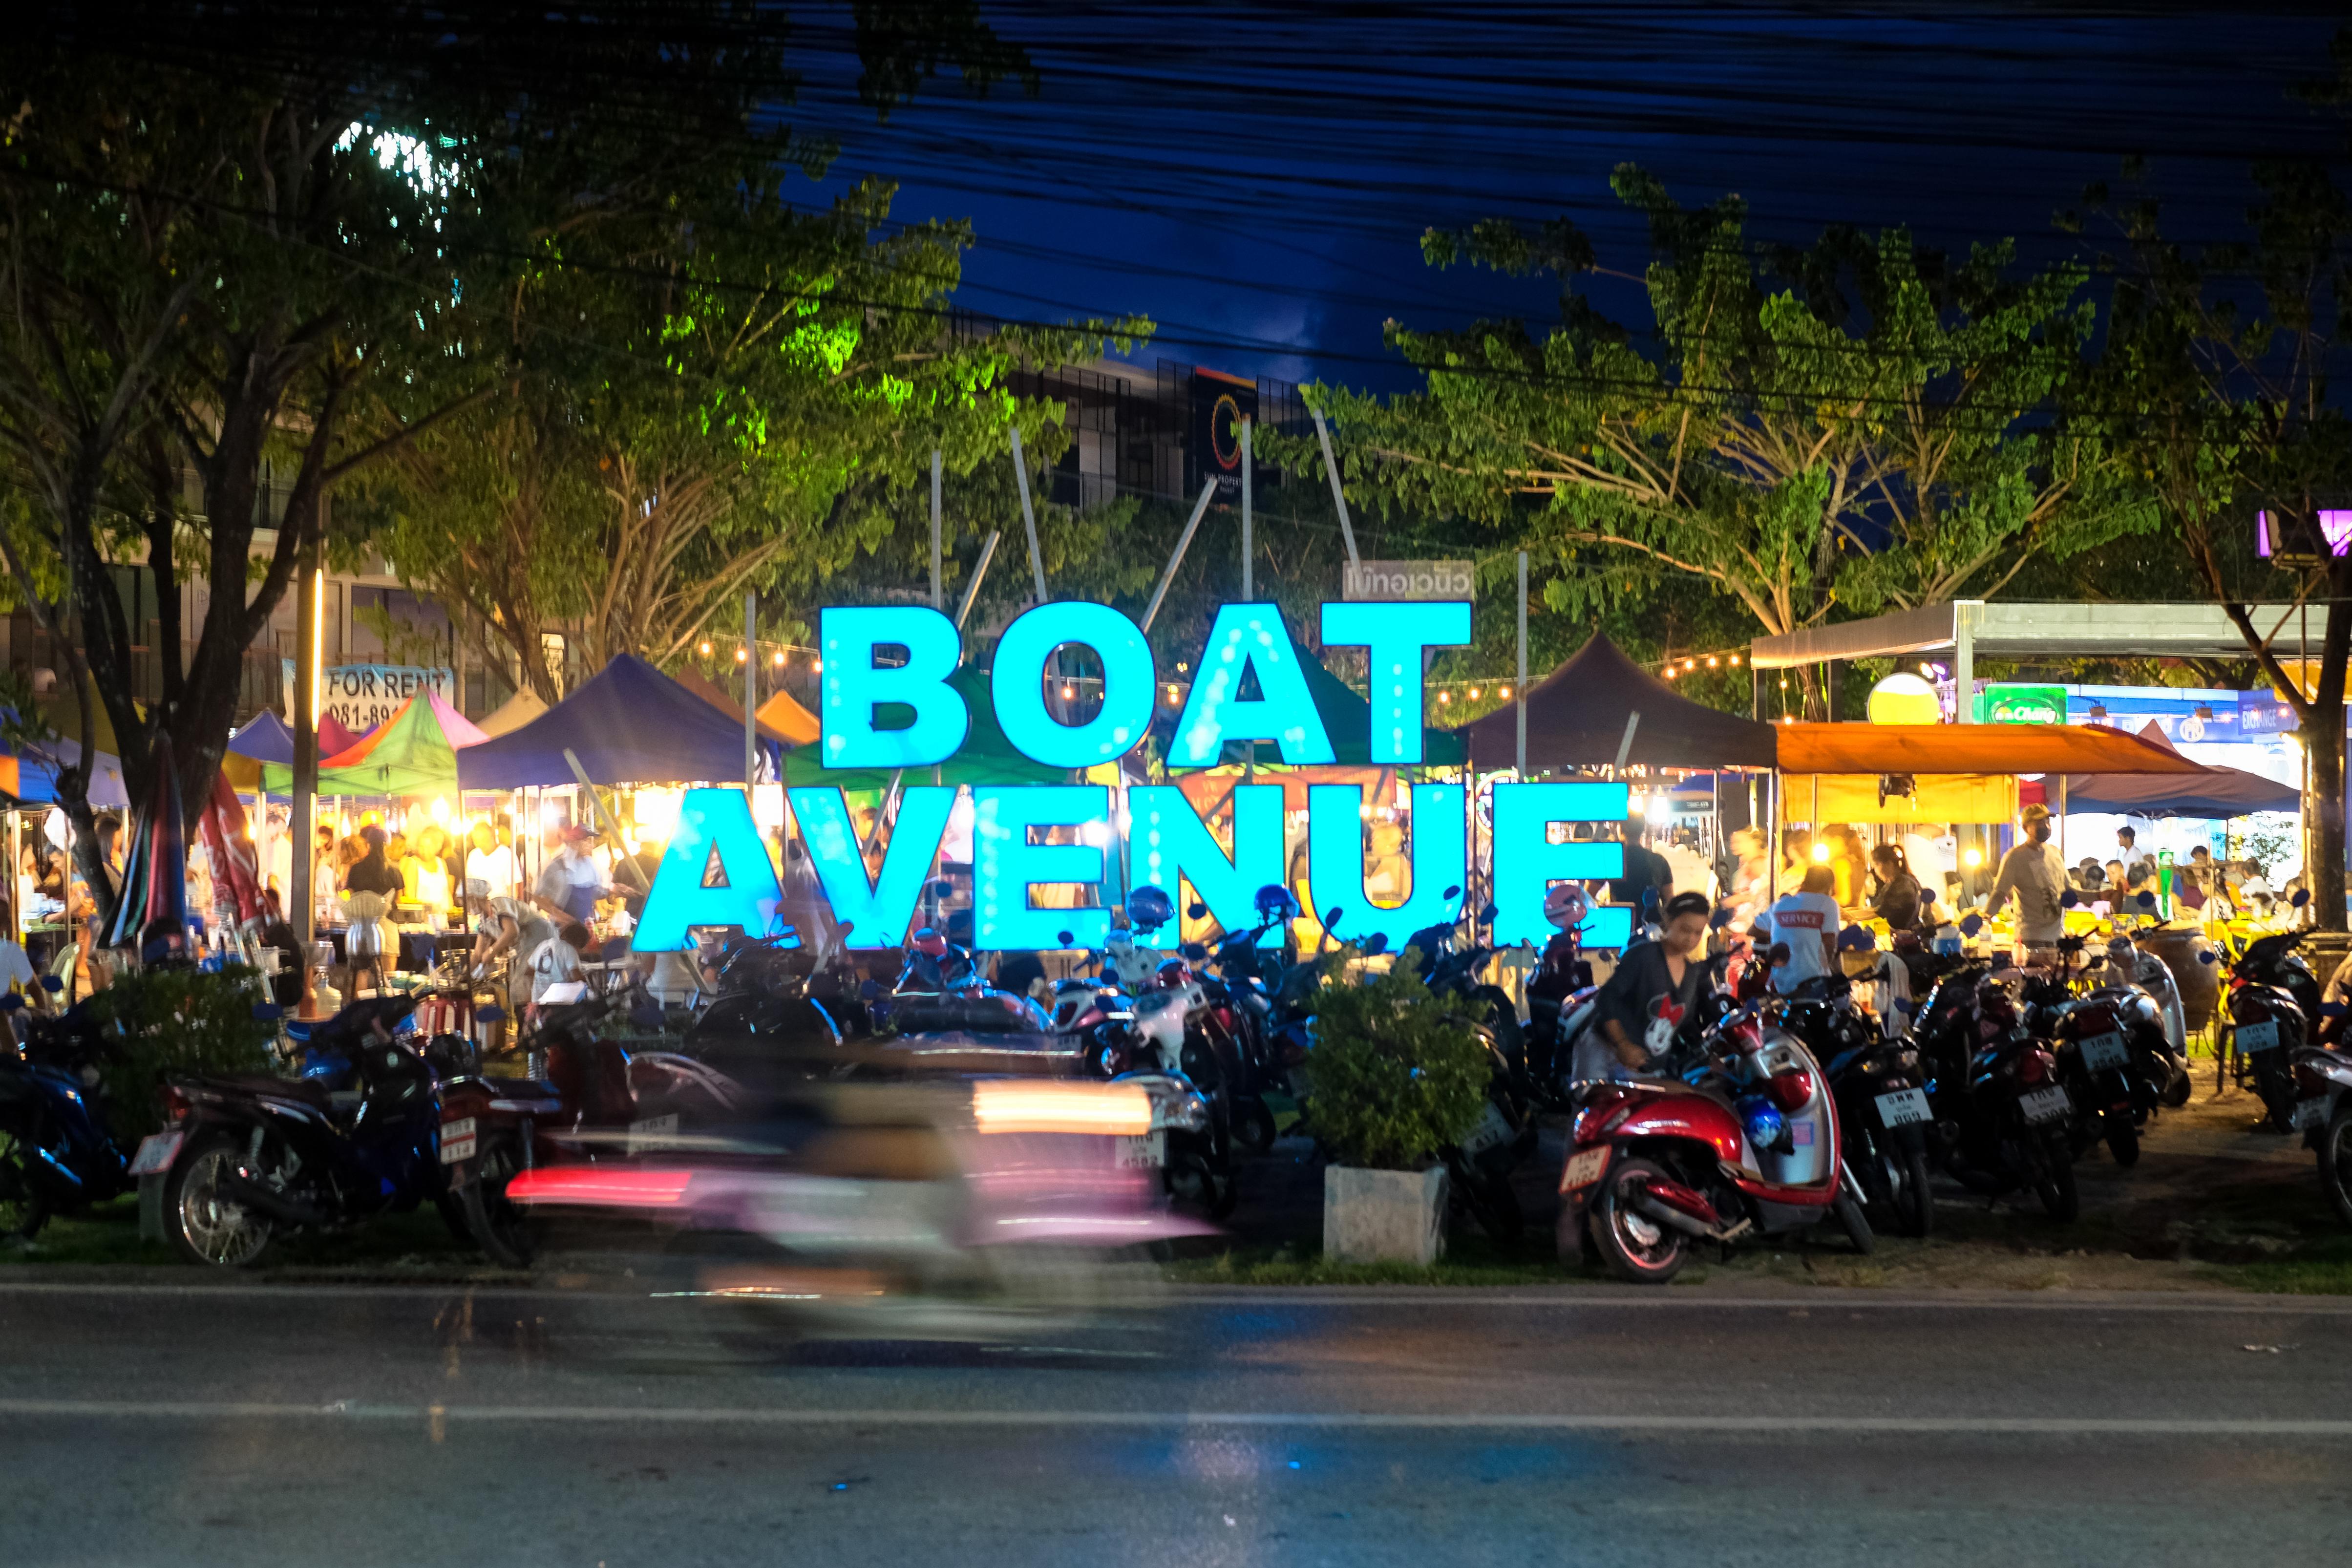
(1585, 1297)
(622, 1414)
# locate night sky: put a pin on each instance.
(1256, 178)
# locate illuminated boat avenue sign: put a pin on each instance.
(900, 656)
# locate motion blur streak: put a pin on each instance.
(599, 1187)
(1019, 1106)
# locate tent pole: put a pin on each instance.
(1520, 690)
(1028, 512)
(751, 688)
(1248, 565)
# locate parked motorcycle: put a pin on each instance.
(1881, 1096)
(2003, 1118)
(250, 1158)
(1745, 1143)
(2323, 1112)
(2112, 1095)
(57, 1152)
(2274, 1001)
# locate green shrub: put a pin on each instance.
(1397, 1078)
(169, 1023)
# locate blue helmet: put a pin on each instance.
(1148, 907)
(1275, 902)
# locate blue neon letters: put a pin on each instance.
(853, 686)
(1249, 637)
(709, 819)
(1166, 839)
(1335, 861)
(1130, 684)
(1395, 634)
(1004, 864)
(877, 910)
(1526, 865)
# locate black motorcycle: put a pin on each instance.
(1882, 1099)
(58, 1151)
(256, 1156)
(2112, 1095)
(2274, 1011)
(2004, 1120)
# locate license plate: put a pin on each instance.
(1493, 1128)
(2103, 1053)
(2310, 1113)
(156, 1154)
(653, 1132)
(2044, 1105)
(1144, 1151)
(1584, 1168)
(1904, 1106)
(458, 1140)
(2262, 1037)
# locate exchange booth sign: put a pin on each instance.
(894, 661)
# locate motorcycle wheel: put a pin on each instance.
(1194, 1183)
(2336, 1161)
(1902, 1166)
(1636, 1248)
(24, 1209)
(2053, 1179)
(1847, 1208)
(2176, 1090)
(205, 1227)
(499, 1228)
(1254, 1127)
(2123, 1140)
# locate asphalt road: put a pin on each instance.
(263, 1424)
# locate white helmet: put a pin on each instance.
(1565, 905)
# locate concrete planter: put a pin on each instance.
(1383, 1217)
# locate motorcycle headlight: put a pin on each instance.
(1184, 1112)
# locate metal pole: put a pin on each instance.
(935, 528)
(979, 571)
(750, 675)
(1247, 564)
(1520, 690)
(1339, 497)
(1028, 515)
(308, 608)
(1183, 541)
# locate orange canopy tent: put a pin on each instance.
(731, 705)
(790, 719)
(1971, 748)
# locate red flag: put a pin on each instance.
(236, 879)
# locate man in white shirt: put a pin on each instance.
(557, 960)
(1807, 921)
(1692, 874)
(2036, 874)
(490, 861)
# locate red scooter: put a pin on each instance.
(1744, 1144)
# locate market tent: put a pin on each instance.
(733, 706)
(1970, 749)
(413, 753)
(264, 739)
(334, 739)
(513, 713)
(2215, 792)
(29, 775)
(987, 756)
(790, 719)
(629, 723)
(1576, 720)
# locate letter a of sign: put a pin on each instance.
(713, 824)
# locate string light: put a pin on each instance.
(1445, 697)
(1473, 694)
(779, 659)
(1710, 661)
(1506, 693)
(741, 656)
(706, 650)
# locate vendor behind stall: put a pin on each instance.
(509, 929)
(2035, 873)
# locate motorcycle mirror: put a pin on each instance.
(2148, 901)
(1193, 951)
(1452, 893)
(1973, 924)
(10, 1002)
(52, 985)
(2068, 899)
(1195, 909)
(1720, 919)
(489, 1013)
(1376, 943)
(870, 989)
(268, 1012)
(2302, 897)
(1064, 937)
(942, 887)
(2332, 1009)
(2207, 956)
(1330, 922)
(1486, 915)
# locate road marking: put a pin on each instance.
(445, 1415)
(1592, 1298)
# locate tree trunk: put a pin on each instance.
(2323, 740)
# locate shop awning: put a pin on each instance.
(2214, 792)
(413, 752)
(1970, 749)
(264, 739)
(1575, 720)
(628, 724)
(513, 713)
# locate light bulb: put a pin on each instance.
(1971, 858)
(1820, 853)
(1473, 694)
(779, 659)
(1504, 692)
(706, 650)
(1445, 697)
(741, 656)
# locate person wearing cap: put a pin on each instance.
(571, 882)
(2037, 875)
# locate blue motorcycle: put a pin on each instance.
(57, 1154)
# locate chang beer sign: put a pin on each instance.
(2003, 703)
(896, 660)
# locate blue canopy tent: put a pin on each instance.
(264, 739)
(2218, 791)
(29, 775)
(628, 724)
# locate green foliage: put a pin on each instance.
(1398, 1076)
(163, 1023)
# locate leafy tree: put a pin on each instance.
(1857, 425)
(2220, 373)
(247, 237)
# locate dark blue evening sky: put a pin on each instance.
(1256, 178)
